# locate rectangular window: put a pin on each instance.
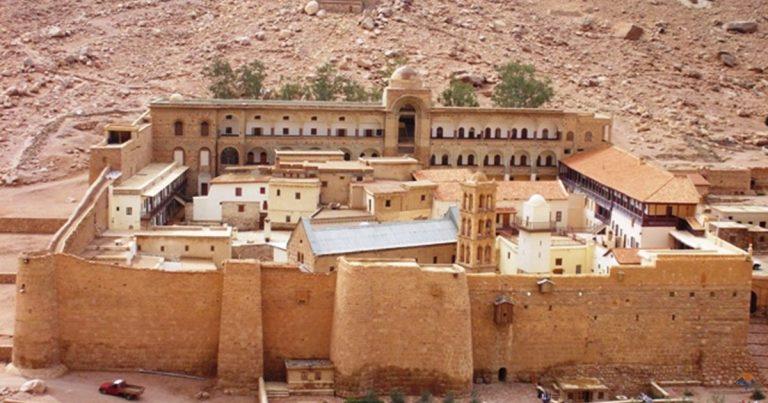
(313, 131)
(368, 132)
(129, 211)
(241, 208)
(387, 203)
(341, 132)
(238, 192)
(318, 376)
(324, 184)
(297, 196)
(379, 132)
(578, 269)
(228, 130)
(213, 248)
(162, 249)
(287, 218)
(186, 248)
(558, 262)
(285, 130)
(257, 131)
(424, 198)
(559, 216)
(262, 190)
(278, 192)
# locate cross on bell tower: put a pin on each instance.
(477, 229)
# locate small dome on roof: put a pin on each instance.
(537, 200)
(176, 97)
(478, 177)
(406, 73)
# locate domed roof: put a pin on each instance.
(176, 97)
(405, 73)
(478, 177)
(537, 200)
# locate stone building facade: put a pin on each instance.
(209, 135)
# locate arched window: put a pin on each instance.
(482, 205)
(524, 134)
(497, 160)
(362, 155)
(374, 155)
(460, 160)
(487, 257)
(347, 156)
(550, 161)
(485, 161)
(462, 257)
(204, 128)
(479, 256)
(588, 136)
(250, 158)
(432, 160)
(178, 156)
(471, 132)
(498, 133)
(524, 160)
(470, 160)
(439, 132)
(461, 132)
(545, 133)
(480, 222)
(514, 133)
(487, 132)
(512, 161)
(230, 156)
(445, 159)
(263, 158)
(205, 157)
(569, 136)
(178, 128)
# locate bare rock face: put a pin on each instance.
(628, 31)
(741, 27)
(312, 7)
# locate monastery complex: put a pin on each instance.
(338, 248)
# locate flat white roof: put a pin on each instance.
(741, 209)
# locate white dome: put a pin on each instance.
(537, 200)
(176, 97)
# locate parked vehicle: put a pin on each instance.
(120, 388)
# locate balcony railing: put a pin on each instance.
(535, 226)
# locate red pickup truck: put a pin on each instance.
(120, 388)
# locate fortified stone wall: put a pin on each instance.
(128, 157)
(400, 326)
(687, 318)
(733, 181)
(759, 295)
(297, 314)
(30, 225)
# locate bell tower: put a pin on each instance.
(477, 229)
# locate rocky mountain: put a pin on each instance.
(686, 80)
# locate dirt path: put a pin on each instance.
(50, 199)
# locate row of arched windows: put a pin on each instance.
(178, 128)
(484, 254)
(498, 133)
(495, 160)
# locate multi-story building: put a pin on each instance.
(639, 202)
(210, 135)
(234, 198)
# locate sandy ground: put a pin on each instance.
(77, 387)
(13, 244)
(51, 199)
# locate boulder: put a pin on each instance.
(741, 27)
(312, 7)
(628, 31)
(56, 32)
(367, 23)
(727, 58)
(34, 386)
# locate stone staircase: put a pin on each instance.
(276, 389)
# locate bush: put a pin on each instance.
(245, 82)
(396, 396)
(519, 88)
(291, 92)
(474, 398)
(426, 397)
(757, 395)
(369, 397)
(459, 93)
(449, 398)
(326, 83)
(222, 78)
(353, 91)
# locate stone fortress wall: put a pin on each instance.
(686, 318)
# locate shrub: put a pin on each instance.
(449, 398)
(474, 398)
(326, 84)
(222, 78)
(459, 93)
(291, 92)
(250, 79)
(518, 87)
(369, 397)
(353, 91)
(757, 395)
(396, 396)
(426, 397)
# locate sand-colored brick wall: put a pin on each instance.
(760, 295)
(120, 318)
(734, 181)
(30, 225)
(246, 220)
(297, 314)
(441, 254)
(682, 312)
(240, 337)
(759, 179)
(400, 326)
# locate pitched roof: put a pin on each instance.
(361, 237)
(443, 175)
(636, 178)
(508, 191)
(626, 255)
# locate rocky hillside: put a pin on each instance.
(692, 88)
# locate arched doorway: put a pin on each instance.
(752, 302)
(502, 374)
(406, 126)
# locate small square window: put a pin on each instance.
(186, 248)
(228, 117)
(278, 192)
(558, 262)
(238, 191)
(313, 118)
(287, 218)
(387, 203)
(129, 211)
(286, 117)
(262, 190)
(342, 118)
(423, 197)
(241, 208)
(297, 196)
(324, 184)
(213, 248)
(285, 130)
(257, 117)
(162, 248)
(313, 131)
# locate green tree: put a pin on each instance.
(222, 79)
(426, 397)
(459, 93)
(326, 84)
(291, 91)
(369, 397)
(375, 94)
(519, 88)
(250, 79)
(396, 396)
(449, 398)
(353, 91)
